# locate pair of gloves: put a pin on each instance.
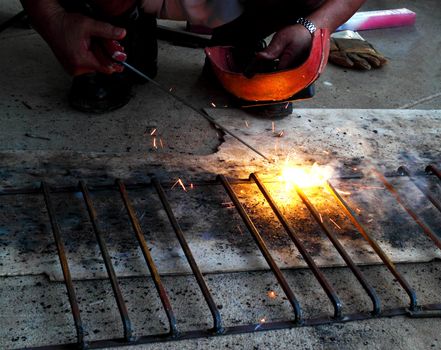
(350, 50)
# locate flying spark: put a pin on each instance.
(179, 182)
(261, 322)
(336, 225)
(272, 294)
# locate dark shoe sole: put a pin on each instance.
(99, 93)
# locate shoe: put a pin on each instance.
(101, 93)
(273, 110)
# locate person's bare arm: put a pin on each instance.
(80, 43)
(291, 43)
(333, 13)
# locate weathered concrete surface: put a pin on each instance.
(40, 310)
(387, 138)
(334, 137)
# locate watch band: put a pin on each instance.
(307, 24)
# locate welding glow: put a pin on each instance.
(314, 176)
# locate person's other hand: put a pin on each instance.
(84, 45)
(291, 46)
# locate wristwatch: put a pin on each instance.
(307, 24)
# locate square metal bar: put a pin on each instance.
(341, 250)
(81, 342)
(427, 230)
(434, 170)
(217, 327)
(127, 325)
(402, 170)
(327, 287)
(380, 252)
(149, 260)
(264, 249)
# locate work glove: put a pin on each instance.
(355, 53)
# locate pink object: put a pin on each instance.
(379, 19)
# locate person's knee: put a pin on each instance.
(106, 8)
(310, 5)
(114, 7)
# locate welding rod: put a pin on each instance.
(201, 113)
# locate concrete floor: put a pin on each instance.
(33, 101)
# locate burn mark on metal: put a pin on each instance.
(414, 310)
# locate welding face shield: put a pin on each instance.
(276, 85)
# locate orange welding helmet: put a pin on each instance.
(273, 86)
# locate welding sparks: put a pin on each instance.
(227, 205)
(160, 142)
(336, 225)
(213, 104)
(261, 322)
(155, 146)
(246, 124)
(314, 176)
(280, 134)
(153, 132)
(180, 183)
(191, 186)
(273, 127)
(272, 294)
(345, 193)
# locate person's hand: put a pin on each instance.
(291, 46)
(84, 45)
